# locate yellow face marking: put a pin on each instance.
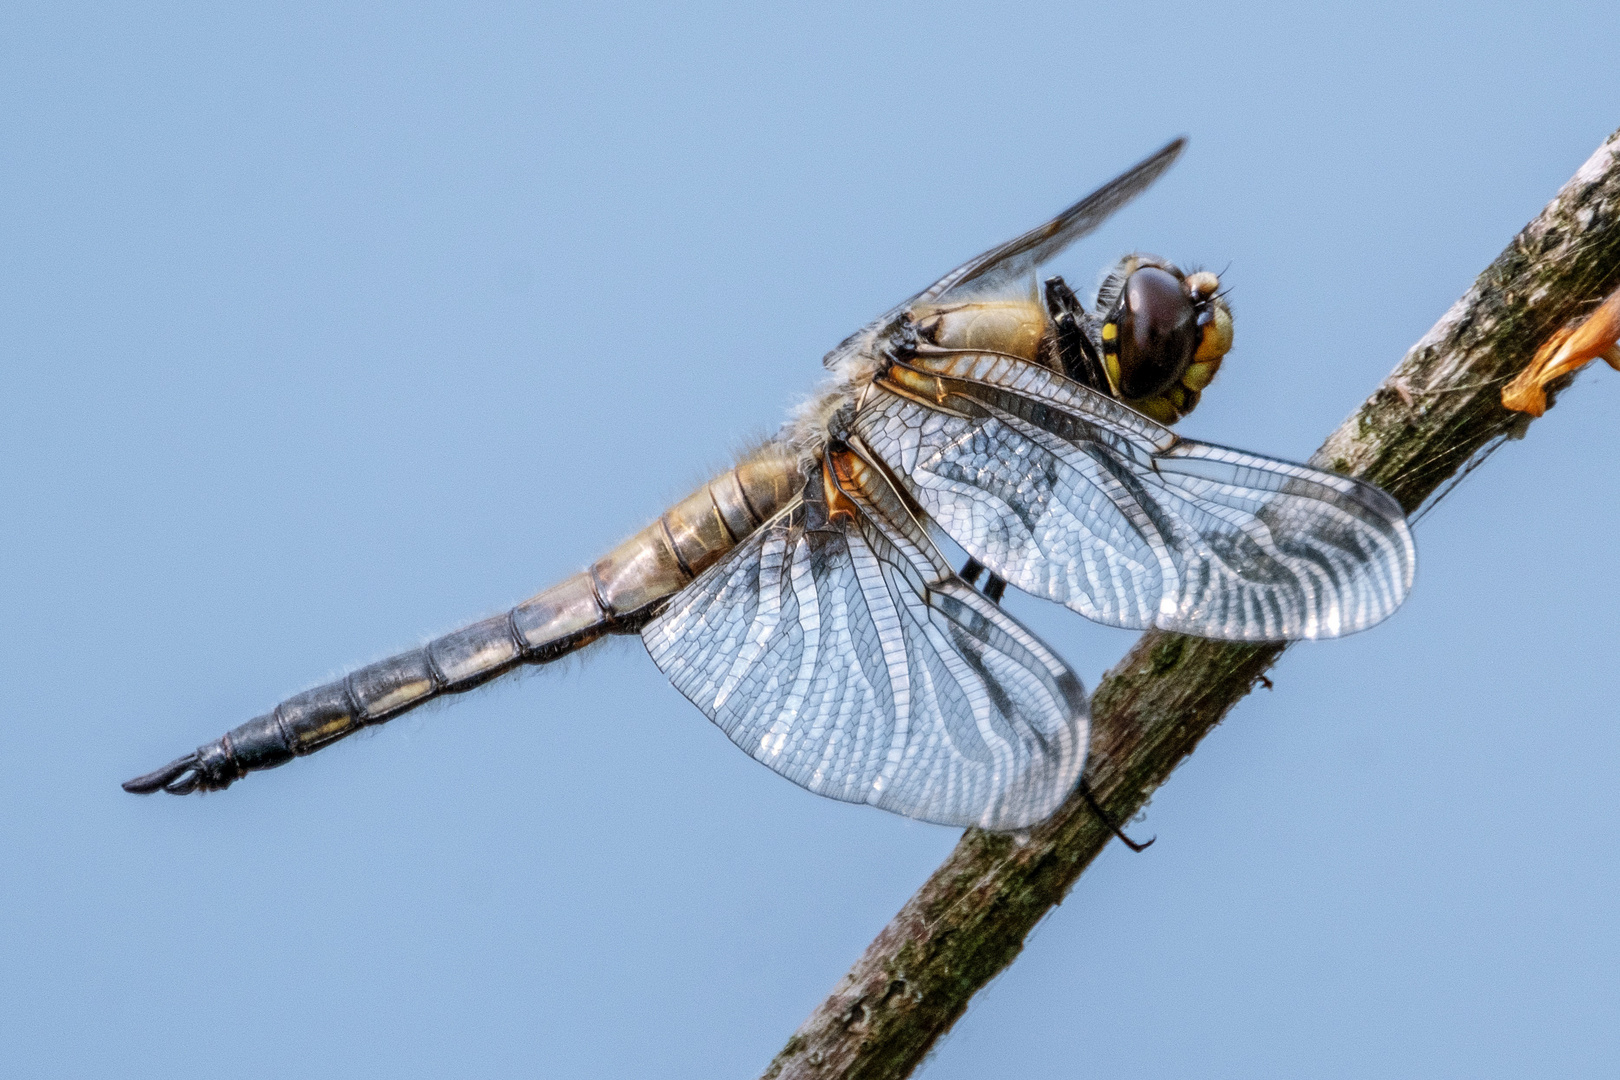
(1111, 365)
(1217, 340)
(1157, 408)
(1109, 331)
(1199, 374)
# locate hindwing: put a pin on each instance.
(836, 646)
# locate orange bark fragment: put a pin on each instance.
(1598, 335)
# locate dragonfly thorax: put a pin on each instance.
(1014, 327)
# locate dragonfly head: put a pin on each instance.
(1163, 334)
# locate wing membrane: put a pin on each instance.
(1072, 497)
(1019, 256)
(844, 653)
(993, 272)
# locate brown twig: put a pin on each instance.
(1433, 418)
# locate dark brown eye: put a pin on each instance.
(1155, 331)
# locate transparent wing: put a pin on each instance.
(1002, 267)
(1018, 257)
(844, 653)
(1072, 497)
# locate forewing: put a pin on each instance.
(997, 271)
(848, 657)
(1070, 496)
(1019, 257)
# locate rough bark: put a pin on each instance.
(1433, 418)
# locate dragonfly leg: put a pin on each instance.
(1076, 352)
(1091, 801)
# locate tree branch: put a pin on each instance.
(1436, 416)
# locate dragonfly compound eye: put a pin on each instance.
(1150, 337)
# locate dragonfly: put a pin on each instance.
(802, 601)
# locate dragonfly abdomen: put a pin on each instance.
(635, 578)
(619, 593)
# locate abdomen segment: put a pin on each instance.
(619, 593)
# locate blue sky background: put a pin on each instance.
(330, 327)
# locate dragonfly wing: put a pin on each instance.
(1070, 496)
(1000, 270)
(1017, 258)
(839, 649)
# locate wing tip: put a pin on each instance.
(1158, 161)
